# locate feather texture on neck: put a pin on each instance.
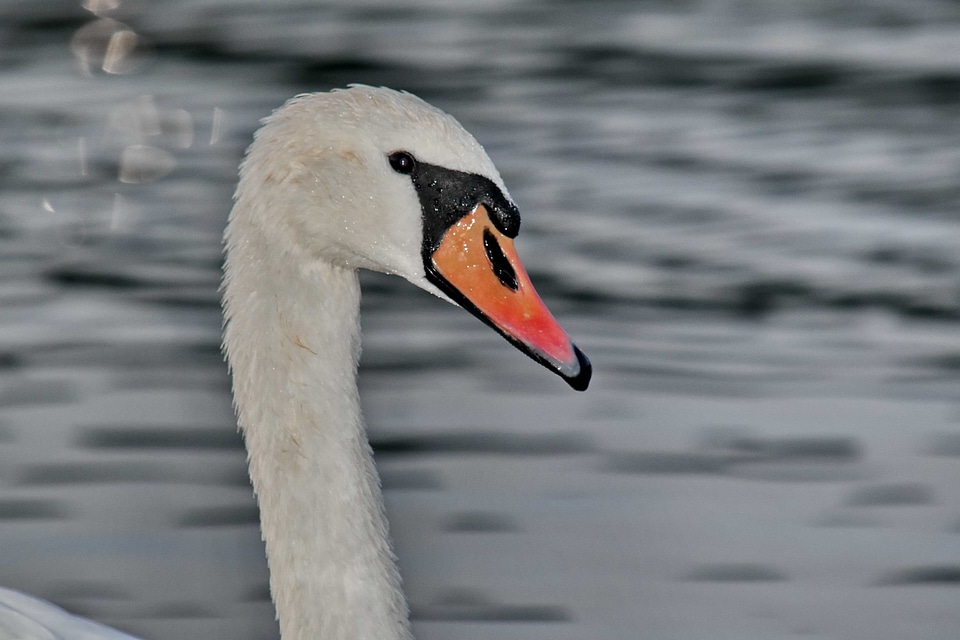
(294, 353)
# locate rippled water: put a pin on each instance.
(745, 212)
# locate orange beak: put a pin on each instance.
(477, 266)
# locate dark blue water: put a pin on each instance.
(745, 212)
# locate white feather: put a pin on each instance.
(24, 617)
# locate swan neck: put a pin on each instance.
(292, 339)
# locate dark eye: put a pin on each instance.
(402, 162)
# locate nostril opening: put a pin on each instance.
(501, 266)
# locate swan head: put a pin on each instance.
(368, 177)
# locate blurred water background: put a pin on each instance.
(746, 212)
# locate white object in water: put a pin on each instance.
(24, 617)
(373, 178)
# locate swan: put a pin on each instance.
(371, 178)
(362, 177)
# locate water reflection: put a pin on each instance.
(109, 46)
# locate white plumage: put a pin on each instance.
(24, 617)
(359, 178)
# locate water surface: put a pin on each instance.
(745, 213)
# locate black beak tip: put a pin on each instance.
(581, 381)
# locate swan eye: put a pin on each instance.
(402, 162)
